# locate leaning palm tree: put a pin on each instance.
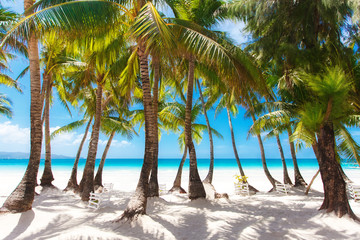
(117, 121)
(251, 102)
(149, 27)
(218, 92)
(173, 118)
(323, 115)
(55, 61)
(20, 200)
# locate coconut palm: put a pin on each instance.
(324, 119)
(209, 176)
(55, 61)
(115, 122)
(148, 28)
(218, 92)
(20, 200)
(173, 118)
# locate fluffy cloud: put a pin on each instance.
(13, 138)
(13, 134)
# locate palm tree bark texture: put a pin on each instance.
(87, 181)
(21, 199)
(334, 185)
(196, 188)
(177, 182)
(138, 201)
(98, 176)
(299, 180)
(285, 171)
(72, 183)
(241, 170)
(153, 183)
(47, 177)
(263, 159)
(209, 176)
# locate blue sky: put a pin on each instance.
(15, 132)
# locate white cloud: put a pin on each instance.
(121, 143)
(13, 134)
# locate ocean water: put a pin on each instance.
(164, 163)
(167, 163)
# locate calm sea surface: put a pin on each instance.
(163, 163)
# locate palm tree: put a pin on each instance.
(111, 125)
(251, 103)
(330, 91)
(173, 118)
(20, 200)
(218, 90)
(148, 27)
(54, 59)
(72, 184)
(209, 176)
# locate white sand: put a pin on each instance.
(56, 215)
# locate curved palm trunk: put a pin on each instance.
(311, 182)
(334, 185)
(177, 182)
(285, 171)
(21, 199)
(263, 159)
(98, 177)
(72, 183)
(196, 188)
(210, 174)
(47, 177)
(138, 201)
(87, 181)
(235, 150)
(153, 183)
(299, 180)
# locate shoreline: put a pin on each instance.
(59, 215)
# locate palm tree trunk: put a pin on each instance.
(47, 176)
(137, 203)
(210, 174)
(235, 151)
(153, 183)
(299, 180)
(21, 199)
(334, 185)
(196, 188)
(285, 171)
(72, 183)
(98, 177)
(263, 159)
(311, 182)
(87, 181)
(177, 182)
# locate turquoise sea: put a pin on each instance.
(164, 163)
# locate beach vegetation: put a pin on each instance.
(299, 74)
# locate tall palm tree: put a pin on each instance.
(330, 91)
(252, 103)
(20, 200)
(173, 118)
(111, 125)
(148, 27)
(209, 176)
(72, 184)
(218, 91)
(54, 59)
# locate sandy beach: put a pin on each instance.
(59, 215)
